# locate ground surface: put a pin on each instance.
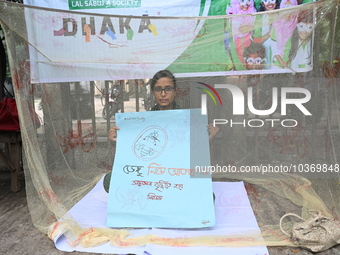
(18, 236)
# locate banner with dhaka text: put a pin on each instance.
(82, 40)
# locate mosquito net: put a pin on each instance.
(275, 71)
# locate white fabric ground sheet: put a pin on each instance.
(234, 216)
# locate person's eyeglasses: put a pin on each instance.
(305, 27)
(256, 61)
(268, 1)
(167, 90)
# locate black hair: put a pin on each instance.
(306, 16)
(263, 9)
(162, 74)
(257, 48)
(295, 45)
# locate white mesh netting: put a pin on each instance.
(70, 151)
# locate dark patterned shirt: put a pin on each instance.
(157, 108)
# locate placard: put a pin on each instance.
(151, 183)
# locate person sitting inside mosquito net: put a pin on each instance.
(163, 87)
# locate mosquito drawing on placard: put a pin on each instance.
(144, 150)
(150, 143)
(153, 137)
(132, 197)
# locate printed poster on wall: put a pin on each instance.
(151, 183)
(92, 42)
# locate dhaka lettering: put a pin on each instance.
(71, 26)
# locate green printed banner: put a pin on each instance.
(100, 4)
(207, 38)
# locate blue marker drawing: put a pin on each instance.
(147, 253)
(144, 172)
(111, 34)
